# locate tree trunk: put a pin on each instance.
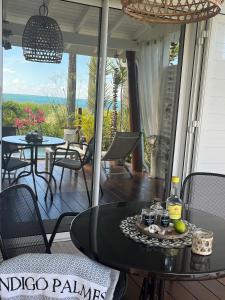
(71, 90)
(115, 95)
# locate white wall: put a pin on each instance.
(210, 148)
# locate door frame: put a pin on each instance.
(190, 95)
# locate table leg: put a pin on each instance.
(152, 289)
(37, 173)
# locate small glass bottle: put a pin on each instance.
(158, 209)
(165, 220)
(174, 203)
(147, 216)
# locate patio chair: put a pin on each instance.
(205, 191)
(74, 137)
(121, 147)
(21, 227)
(11, 163)
(22, 232)
(74, 164)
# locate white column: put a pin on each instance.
(100, 102)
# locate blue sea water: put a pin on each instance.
(41, 99)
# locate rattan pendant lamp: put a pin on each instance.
(171, 11)
(42, 39)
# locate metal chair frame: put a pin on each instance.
(196, 174)
(47, 243)
(6, 157)
(83, 161)
(122, 282)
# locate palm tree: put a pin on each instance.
(71, 91)
(119, 71)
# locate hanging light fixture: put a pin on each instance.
(42, 39)
(171, 11)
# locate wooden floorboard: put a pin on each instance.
(73, 197)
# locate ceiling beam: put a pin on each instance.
(81, 39)
(116, 25)
(82, 19)
(112, 4)
(141, 31)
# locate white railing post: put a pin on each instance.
(100, 102)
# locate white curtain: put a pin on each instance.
(152, 59)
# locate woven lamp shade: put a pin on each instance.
(42, 40)
(171, 11)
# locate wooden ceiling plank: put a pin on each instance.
(141, 31)
(116, 25)
(82, 19)
(82, 39)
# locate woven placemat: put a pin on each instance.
(129, 228)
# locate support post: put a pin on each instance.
(135, 118)
(100, 102)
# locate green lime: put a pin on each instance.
(180, 226)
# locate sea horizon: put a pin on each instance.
(24, 98)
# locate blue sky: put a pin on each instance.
(32, 78)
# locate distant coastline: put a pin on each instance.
(41, 99)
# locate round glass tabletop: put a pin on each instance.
(20, 140)
(97, 234)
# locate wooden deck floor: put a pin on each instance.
(72, 197)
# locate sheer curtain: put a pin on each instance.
(152, 61)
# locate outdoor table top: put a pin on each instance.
(20, 140)
(97, 234)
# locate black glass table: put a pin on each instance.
(21, 141)
(97, 234)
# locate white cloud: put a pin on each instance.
(8, 71)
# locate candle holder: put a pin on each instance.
(202, 242)
(200, 263)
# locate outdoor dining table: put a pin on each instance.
(46, 141)
(96, 232)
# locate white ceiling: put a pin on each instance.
(79, 24)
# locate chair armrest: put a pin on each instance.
(66, 151)
(79, 144)
(67, 214)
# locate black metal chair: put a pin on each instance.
(21, 227)
(22, 230)
(205, 191)
(74, 164)
(11, 163)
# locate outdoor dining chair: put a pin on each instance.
(21, 227)
(10, 162)
(205, 191)
(22, 232)
(76, 163)
(122, 146)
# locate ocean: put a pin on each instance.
(41, 99)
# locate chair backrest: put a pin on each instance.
(122, 145)
(205, 191)
(8, 131)
(89, 152)
(21, 226)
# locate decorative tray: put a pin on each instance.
(170, 233)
